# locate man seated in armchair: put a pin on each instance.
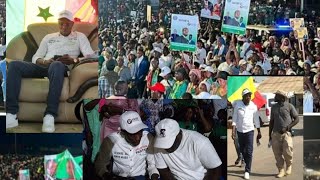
(57, 53)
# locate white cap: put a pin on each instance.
(131, 122)
(245, 91)
(210, 69)
(164, 71)
(202, 66)
(166, 132)
(203, 95)
(242, 62)
(66, 14)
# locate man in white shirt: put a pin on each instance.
(205, 12)
(245, 117)
(128, 153)
(184, 154)
(201, 53)
(56, 52)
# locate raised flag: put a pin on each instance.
(236, 84)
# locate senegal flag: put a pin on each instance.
(21, 13)
(236, 84)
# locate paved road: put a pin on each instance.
(263, 163)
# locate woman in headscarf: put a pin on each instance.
(195, 78)
(285, 44)
(221, 49)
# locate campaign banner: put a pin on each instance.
(62, 166)
(318, 33)
(184, 32)
(235, 17)
(296, 23)
(24, 174)
(301, 33)
(212, 9)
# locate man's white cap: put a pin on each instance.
(242, 62)
(66, 14)
(202, 66)
(210, 69)
(246, 91)
(166, 132)
(164, 71)
(131, 122)
(203, 95)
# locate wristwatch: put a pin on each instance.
(75, 60)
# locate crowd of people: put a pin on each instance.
(201, 74)
(10, 164)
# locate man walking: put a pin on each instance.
(283, 117)
(245, 116)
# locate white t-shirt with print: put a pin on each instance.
(191, 160)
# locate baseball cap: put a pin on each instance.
(210, 69)
(131, 122)
(166, 132)
(66, 14)
(242, 62)
(158, 87)
(164, 71)
(246, 91)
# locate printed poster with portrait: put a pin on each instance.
(211, 9)
(24, 174)
(62, 166)
(296, 23)
(301, 33)
(235, 17)
(184, 32)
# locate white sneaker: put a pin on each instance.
(48, 124)
(246, 175)
(11, 120)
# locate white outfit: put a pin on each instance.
(57, 44)
(245, 117)
(165, 61)
(128, 161)
(244, 73)
(194, 155)
(307, 102)
(201, 55)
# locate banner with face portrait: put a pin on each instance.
(24, 174)
(235, 17)
(62, 166)
(301, 33)
(296, 23)
(184, 31)
(211, 9)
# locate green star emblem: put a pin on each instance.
(44, 13)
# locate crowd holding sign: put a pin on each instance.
(212, 9)
(184, 30)
(235, 16)
(62, 166)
